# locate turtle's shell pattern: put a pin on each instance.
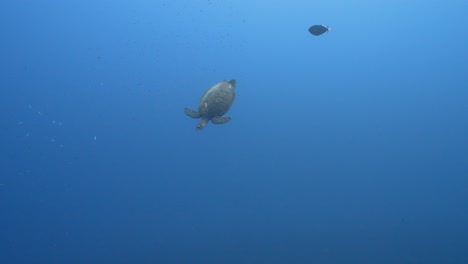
(217, 100)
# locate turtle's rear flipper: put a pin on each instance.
(192, 113)
(220, 120)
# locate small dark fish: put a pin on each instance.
(318, 30)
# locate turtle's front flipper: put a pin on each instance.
(192, 113)
(220, 120)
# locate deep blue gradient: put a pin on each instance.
(350, 147)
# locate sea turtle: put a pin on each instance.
(214, 103)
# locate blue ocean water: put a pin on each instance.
(349, 147)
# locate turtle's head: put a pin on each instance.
(202, 123)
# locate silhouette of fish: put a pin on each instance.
(318, 30)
